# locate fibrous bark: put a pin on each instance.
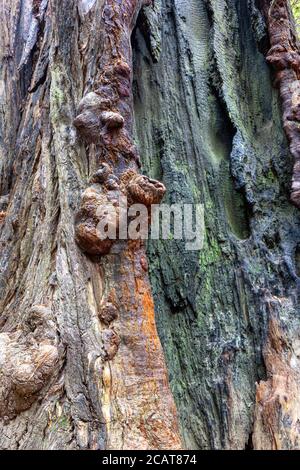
(276, 424)
(97, 379)
(153, 421)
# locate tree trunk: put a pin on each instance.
(209, 124)
(80, 361)
(82, 365)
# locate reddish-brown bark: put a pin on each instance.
(276, 419)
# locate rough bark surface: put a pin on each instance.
(285, 58)
(209, 123)
(81, 362)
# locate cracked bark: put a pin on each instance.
(208, 123)
(277, 419)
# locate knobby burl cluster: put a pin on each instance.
(104, 118)
(106, 190)
(107, 314)
(285, 59)
(29, 358)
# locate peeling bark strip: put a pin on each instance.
(136, 381)
(285, 58)
(81, 365)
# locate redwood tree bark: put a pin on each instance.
(80, 361)
(285, 58)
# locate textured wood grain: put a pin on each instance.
(209, 124)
